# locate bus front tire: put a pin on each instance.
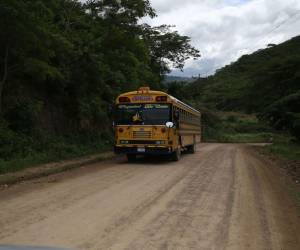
(176, 155)
(131, 157)
(191, 149)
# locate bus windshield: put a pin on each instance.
(143, 114)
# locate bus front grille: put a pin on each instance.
(142, 142)
(142, 134)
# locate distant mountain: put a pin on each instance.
(266, 82)
(170, 78)
(256, 80)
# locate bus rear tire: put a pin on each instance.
(176, 155)
(191, 149)
(131, 157)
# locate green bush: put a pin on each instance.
(295, 128)
(235, 128)
(23, 117)
(284, 114)
(285, 146)
(18, 151)
(232, 118)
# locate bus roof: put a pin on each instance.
(146, 90)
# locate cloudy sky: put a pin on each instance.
(223, 30)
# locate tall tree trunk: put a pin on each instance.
(4, 77)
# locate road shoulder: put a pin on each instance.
(284, 170)
(51, 168)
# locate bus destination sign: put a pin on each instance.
(142, 98)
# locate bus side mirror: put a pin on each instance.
(169, 124)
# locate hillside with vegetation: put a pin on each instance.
(63, 62)
(265, 84)
(171, 79)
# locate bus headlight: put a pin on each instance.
(124, 142)
(159, 142)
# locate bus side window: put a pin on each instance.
(176, 115)
(180, 115)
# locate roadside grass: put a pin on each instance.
(287, 150)
(51, 150)
(295, 194)
(239, 137)
(233, 127)
(285, 147)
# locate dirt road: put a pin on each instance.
(222, 197)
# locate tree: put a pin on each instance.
(23, 32)
(168, 48)
(72, 59)
(120, 12)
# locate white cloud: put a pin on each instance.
(225, 30)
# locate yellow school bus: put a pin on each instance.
(153, 122)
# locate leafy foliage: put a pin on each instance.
(266, 83)
(63, 62)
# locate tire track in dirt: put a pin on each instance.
(172, 223)
(222, 197)
(128, 220)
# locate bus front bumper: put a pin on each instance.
(147, 150)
